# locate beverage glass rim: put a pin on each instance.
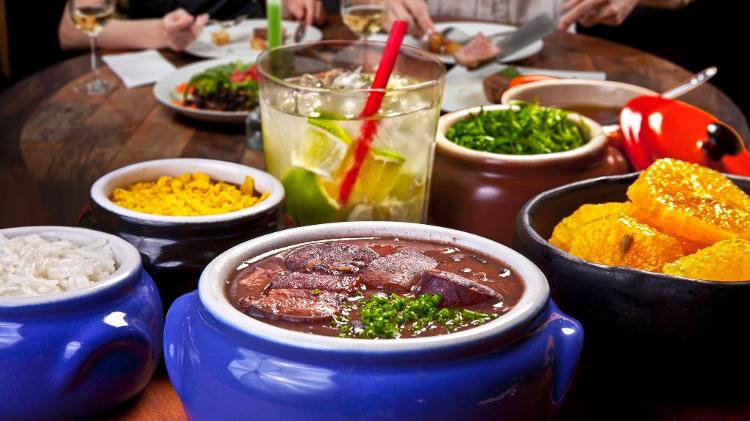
(421, 85)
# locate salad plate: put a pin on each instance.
(169, 90)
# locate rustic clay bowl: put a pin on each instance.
(680, 328)
(175, 249)
(571, 92)
(481, 192)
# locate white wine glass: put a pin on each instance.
(90, 16)
(363, 17)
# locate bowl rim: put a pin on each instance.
(524, 219)
(597, 141)
(212, 281)
(101, 197)
(511, 93)
(126, 257)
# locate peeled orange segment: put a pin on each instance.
(691, 202)
(727, 260)
(564, 232)
(620, 240)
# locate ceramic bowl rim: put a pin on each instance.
(100, 196)
(606, 270)
(511, 93)
(127, 258)
(212, 296)
(597, 141)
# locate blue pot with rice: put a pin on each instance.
(80, 323)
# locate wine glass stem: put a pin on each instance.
(93, 57)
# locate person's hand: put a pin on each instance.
(181, 28)
(592, 12)
(414, 12)
(309, 11)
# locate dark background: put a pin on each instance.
(705, 33)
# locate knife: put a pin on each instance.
(531, 31)
(299, 33)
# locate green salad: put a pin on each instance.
(227, 87)
(525, 129)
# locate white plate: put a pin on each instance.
(471, 28)
(464, 89)
(164, 91)
(239, 44)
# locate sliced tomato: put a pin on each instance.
(520, 80)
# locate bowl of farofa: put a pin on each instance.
(80, 323)
(175, 248)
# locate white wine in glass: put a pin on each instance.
(90, 17)
(363, 17)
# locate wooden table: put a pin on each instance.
(56, 143)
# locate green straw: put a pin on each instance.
(273, 10)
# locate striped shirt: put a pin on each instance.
(501, 11)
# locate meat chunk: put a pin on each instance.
(476, 51)
(296, 305)
(494, 86)
(398, 271)
(312, 281)
(456, 290)
(253, 280)
(332, 258)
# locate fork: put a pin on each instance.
(224, 24)
(456, 34)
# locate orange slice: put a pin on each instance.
(692, 202)
(566, 230)
(620, 240)
(727, 260)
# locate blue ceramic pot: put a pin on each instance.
(78, 353)
(226, 365)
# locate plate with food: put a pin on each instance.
(470, 88)
(222, 90)
(446, 49)
(247, 39)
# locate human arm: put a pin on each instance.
(309, 11)
(592, 12)
(175, 30)
(414, 12)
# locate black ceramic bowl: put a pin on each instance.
(175, 249)
(641, 317)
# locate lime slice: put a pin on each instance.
(307, 200)
(379, 173)
(324, 147)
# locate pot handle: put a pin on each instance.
(567, 333)
(121, 343)
(174, 348)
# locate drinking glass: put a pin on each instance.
(90, 16)
(311, 100)
(363, 17)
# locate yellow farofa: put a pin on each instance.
(187, 195)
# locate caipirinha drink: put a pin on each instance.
(311, 99)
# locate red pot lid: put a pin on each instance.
(654, 127)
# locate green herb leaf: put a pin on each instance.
(526, 129)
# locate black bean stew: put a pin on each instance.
(374, 288)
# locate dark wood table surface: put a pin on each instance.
(55, 143)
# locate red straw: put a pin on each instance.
(369, 127)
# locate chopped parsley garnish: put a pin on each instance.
(527, 129)
(386, 317)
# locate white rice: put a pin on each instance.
(31, 265)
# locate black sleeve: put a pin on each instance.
(217, 9)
